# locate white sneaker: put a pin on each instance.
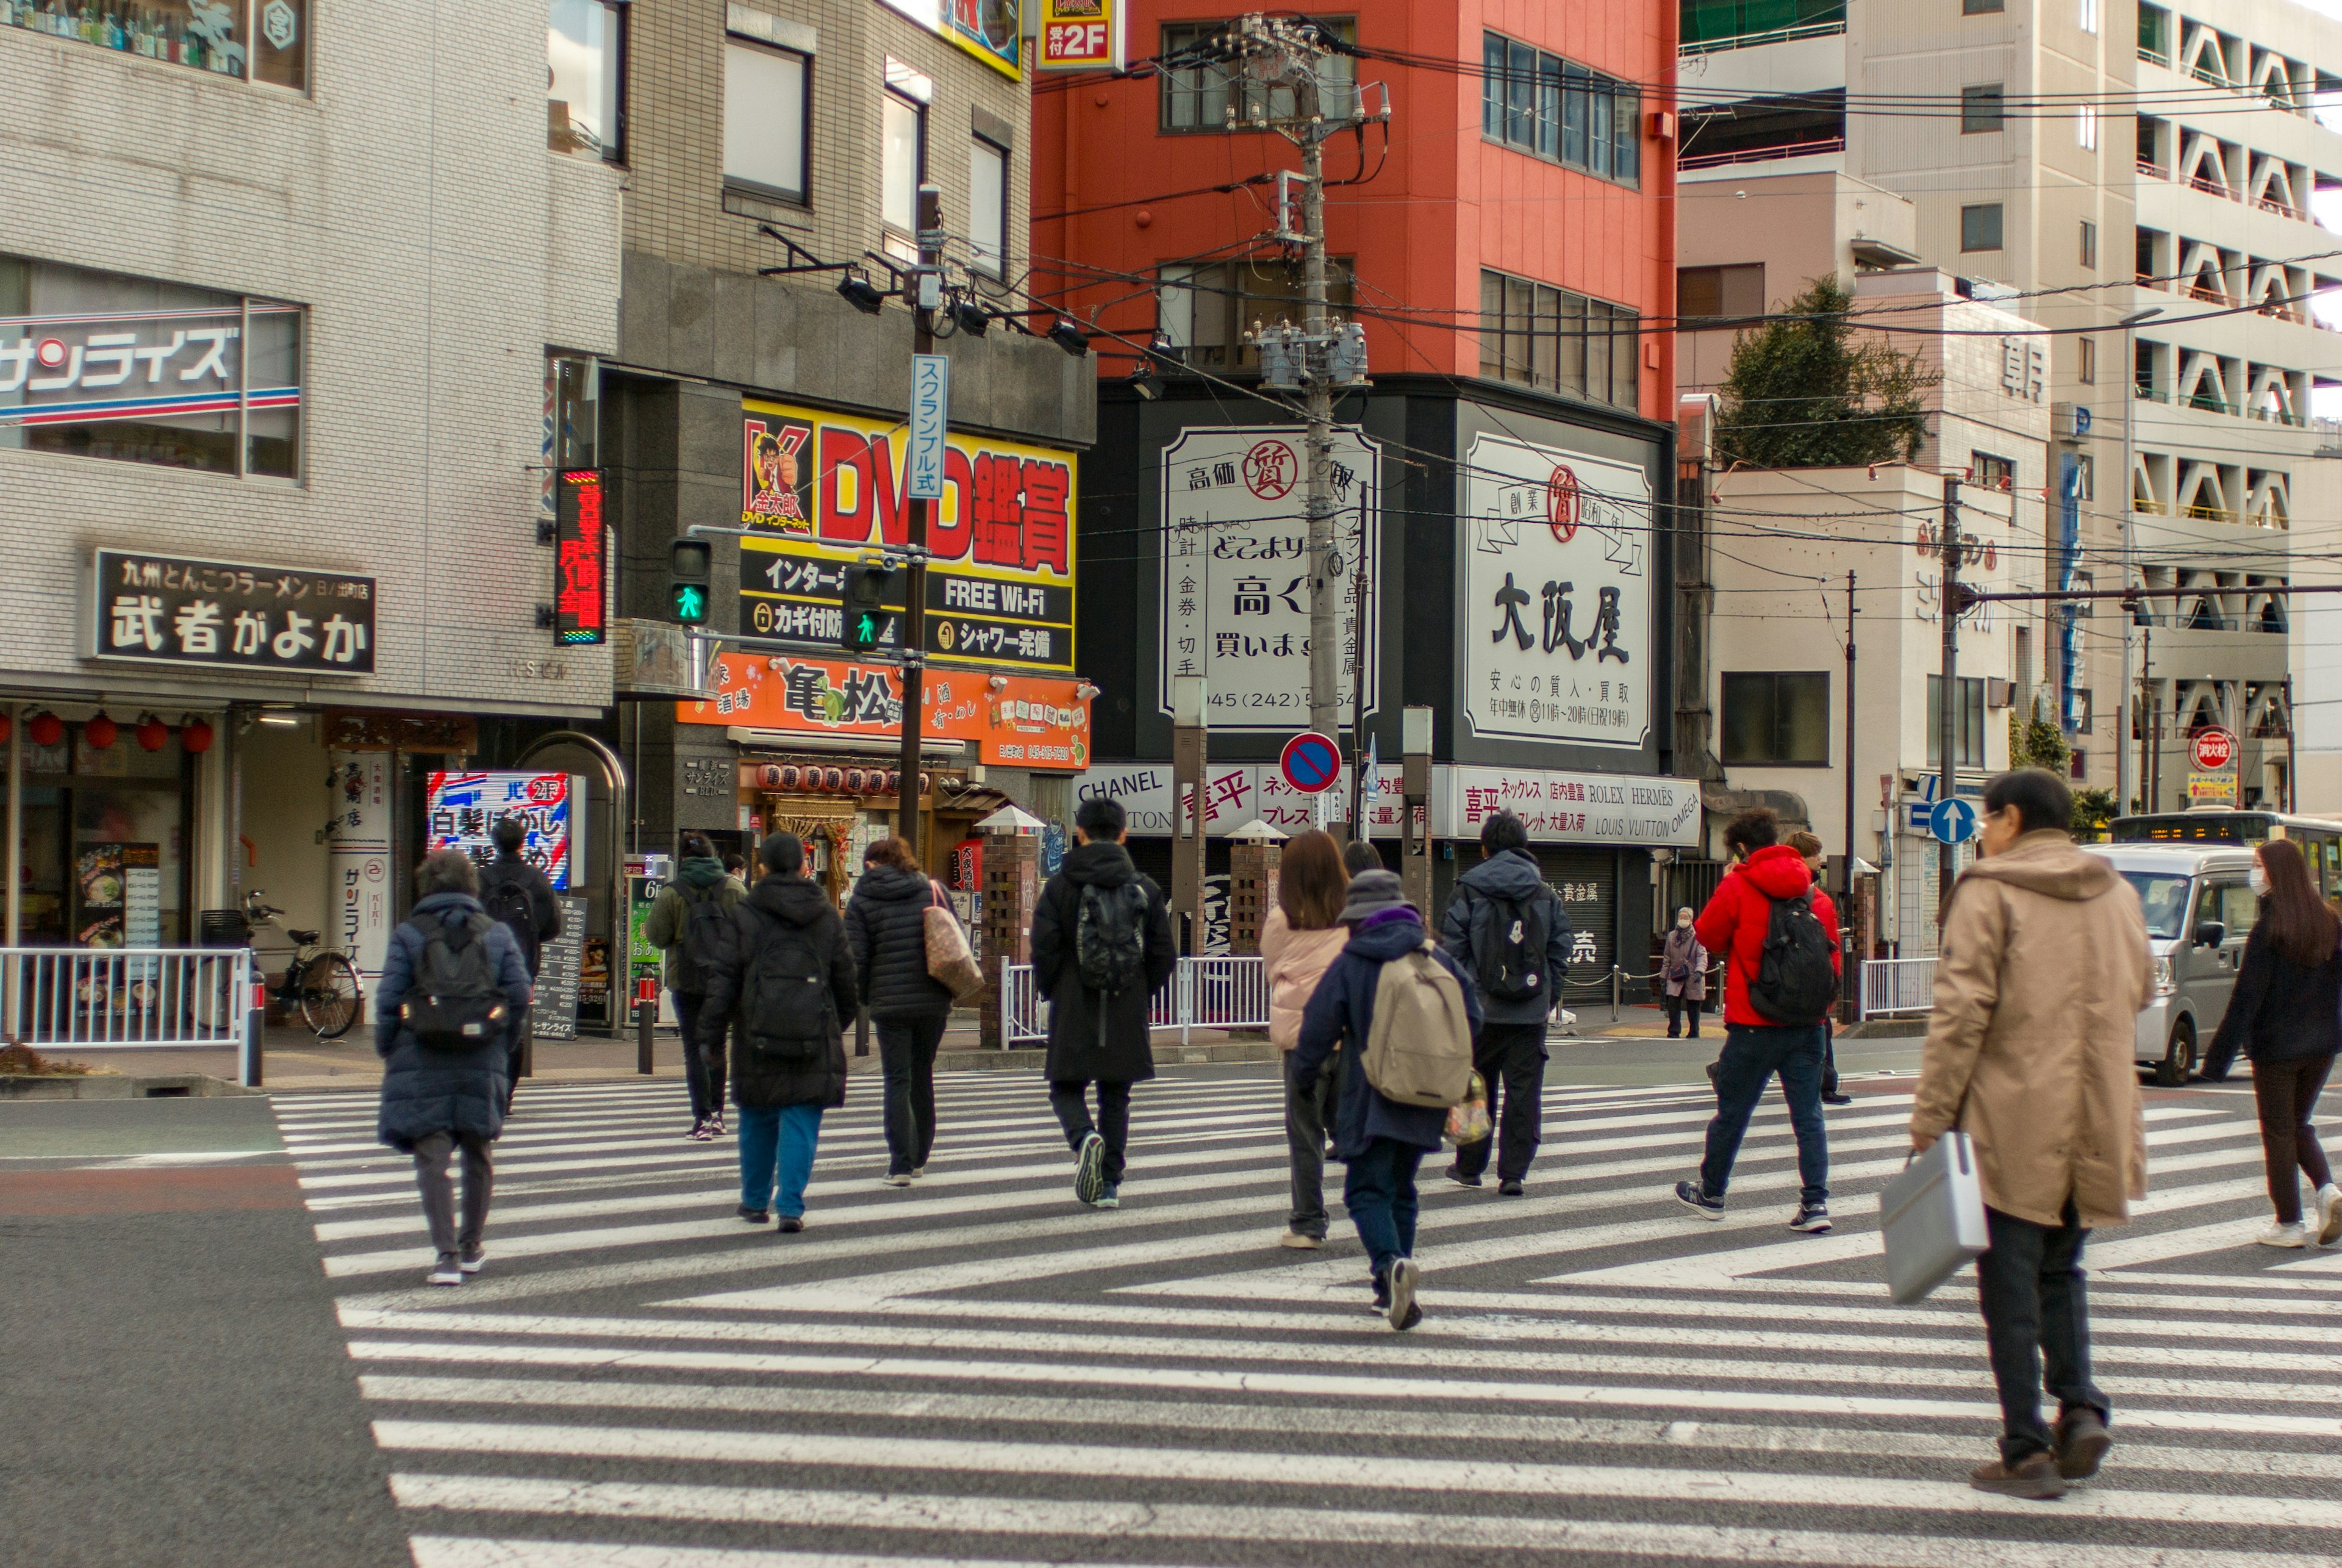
(474, 1262)
(445, 1273)
(919, 1173)
(1301, 1241)
(2329, 1214)
(2279, 1235)
(897, 1178)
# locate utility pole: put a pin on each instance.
(927, 284)
(2150, 726)
(1318, 412)
(1948, 855)
(1851, 957)
(2129, 383)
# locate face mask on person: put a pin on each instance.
(2259, 881)
(1683, 923)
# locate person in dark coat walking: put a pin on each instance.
(886, 928)
(1100, 1039)
(2283, 1017)
(435, 1100)
(698, 877)
(519, 896)
(1381, 1141)
(791, 1066)
(1508, 1049)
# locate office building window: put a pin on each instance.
(1967, 721)
(1198, 94)
(1557, 109)
(902, 158)
(257, 40)
(1779, 718)
(765, 120)
(1205, 309)
(1980, 227)
(2089, 245)
(2087, 372)
(2088, 21)
(987, 207)
(586, 72)
(1982, 7)
(1981, 109)
(1990, 472)
(2086, 475)
(1705, 293)
(2086, 127)
(1543, 336)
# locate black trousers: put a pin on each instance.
(2035, 1310)
(1070, 1101)
(1511, 1056)
(2285, 1094)
(703, 1068)
(1829, 1055)
(906, 1055)
(1678, 1006)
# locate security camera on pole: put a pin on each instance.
(1290, 51)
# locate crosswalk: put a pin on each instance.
(977, 1371)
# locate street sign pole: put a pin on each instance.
(930, 374)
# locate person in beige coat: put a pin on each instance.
(1298, 942)
(2043, 967)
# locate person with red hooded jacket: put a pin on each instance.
(1757, 1047)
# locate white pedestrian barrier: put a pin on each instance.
(1222, 993)
(1933, 1217)
(125, 999)
(1893, 985)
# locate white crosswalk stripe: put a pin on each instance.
(978, 1372)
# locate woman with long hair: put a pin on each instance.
(2283, 1016)
(1298, 942)
(886, 931)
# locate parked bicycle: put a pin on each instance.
(319, 982)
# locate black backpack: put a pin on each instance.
(706, 943)
(1510, 953)
(506, 897)
(1795, 984)
(456, 1003)
(1110, 938)
(786, 1008)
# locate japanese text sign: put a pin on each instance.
(1235, 572)
(461, 810)
(1030, 722)
(1557, 594)
(820, 489)
(988, 29)
(581, 550)
(930, 409)
(160, 609)
(1081, 34)
(161, 366)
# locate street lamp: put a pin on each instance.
(2129, 325)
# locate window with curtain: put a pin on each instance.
(1779, 718)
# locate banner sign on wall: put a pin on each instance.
(357, 861)
(1025, 721)
(1556, 595)
(1080, 34)
(826, 487)
(987, 29)
(157, 609)
(461, 810)
(1235, 572)
(581, 553)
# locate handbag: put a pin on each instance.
(949, 962)
(1932, 1218)
(1467, 1120)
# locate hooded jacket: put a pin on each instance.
(1114, 1048)
(2031, 1045)
(782, 909)
(1741, 911)
(1341, 1011)
(695, 875)
(886, 930)
(426, 1090)
(1295, 961)
(1469, 929)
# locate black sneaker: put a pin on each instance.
(1693, 1197)
(700, 1132)
(1456, 1174)
(788, 1224)
(754, 1217)
(1837, 1099)
(1509, 1187)
(1812, 1218)
(1090, 1169)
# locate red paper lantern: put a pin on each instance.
(154, 735)
(46, 729)
(101, 731)
(894, 781)
(196, 737)
(857, 781)
(833, 778)
(792, 775)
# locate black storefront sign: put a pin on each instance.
(790, 595)
(159, 609)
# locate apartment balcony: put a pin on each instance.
(1819, 147)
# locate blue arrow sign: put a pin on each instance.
(1953, 821)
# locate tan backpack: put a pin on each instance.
(1419, 1048)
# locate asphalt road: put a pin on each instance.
(977, 1370)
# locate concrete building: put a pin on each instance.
(276, 309)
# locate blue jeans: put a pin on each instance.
(780, 1136)
(1753, 1054)
(1379, 1192)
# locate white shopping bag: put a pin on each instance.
(1933, 1216)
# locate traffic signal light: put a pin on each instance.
(686, 596)
(864, 603)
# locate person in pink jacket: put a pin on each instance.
(1298, 942)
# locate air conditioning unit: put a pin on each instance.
(2069, 421)
(1999, 693)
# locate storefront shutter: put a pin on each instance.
(1587, 883)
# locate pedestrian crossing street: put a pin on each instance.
(978, 1370)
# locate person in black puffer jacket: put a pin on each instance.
(886, 930)
(434, 1100)
(791, 1066)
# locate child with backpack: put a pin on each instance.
(786, 977)
(1101, 949)
(1780, 976)
(691, 918)
(453, 986)
(1402, 1012)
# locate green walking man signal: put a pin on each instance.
(687, 598)
(863, 624)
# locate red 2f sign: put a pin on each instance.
(1081, 35)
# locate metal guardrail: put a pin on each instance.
(1225, 993)
(1898, 985)
(125, 999)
